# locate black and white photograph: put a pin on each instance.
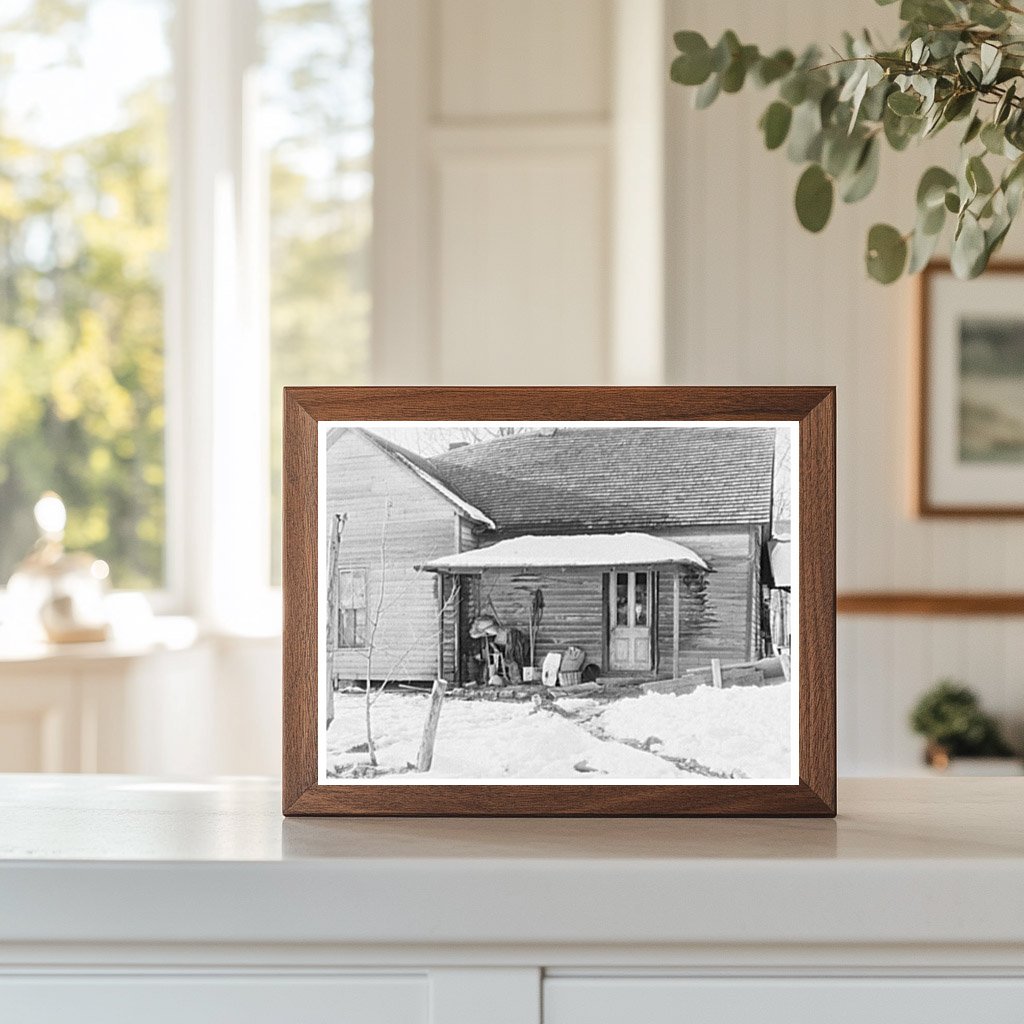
(557, 602)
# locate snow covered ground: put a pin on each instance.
(739, 731)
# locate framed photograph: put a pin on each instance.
(970, 450)
(559, 601)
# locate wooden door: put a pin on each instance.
(630, 603)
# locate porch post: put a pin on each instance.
(675, 624)
(440, 625)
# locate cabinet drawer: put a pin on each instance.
(667, 1000)
(203, 999)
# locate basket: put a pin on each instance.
(571, 671)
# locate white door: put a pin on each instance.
(629, 642)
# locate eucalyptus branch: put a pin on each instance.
(955, 61)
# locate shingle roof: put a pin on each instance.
(618, 478)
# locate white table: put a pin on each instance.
(124, 898)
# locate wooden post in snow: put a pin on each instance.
(675, 625)
(426, 754)
(716, 672)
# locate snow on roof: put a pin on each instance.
(564, 551)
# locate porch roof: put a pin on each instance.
(561, 551)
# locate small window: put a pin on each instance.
(352, 608)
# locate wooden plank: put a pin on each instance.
(691, 680)
(426, 755)
(929, 603)
(675, 623)
(716, 672)
(678, 687)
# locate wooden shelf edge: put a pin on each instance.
(929, 603)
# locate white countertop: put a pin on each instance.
(121, 859)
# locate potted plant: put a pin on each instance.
(950, 718)
(536, 614)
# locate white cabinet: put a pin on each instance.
(828, 1000)
(202, 999)
(133, 899)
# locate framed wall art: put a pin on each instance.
(559, 601)
(970, 444)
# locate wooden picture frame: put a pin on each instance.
(811, 409)
(941, 489)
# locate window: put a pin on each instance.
(214, 175)
(352, 608)
(83, 237)
(317, 120)
(632, 599)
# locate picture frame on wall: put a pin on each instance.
(970, 383)
(559, 601)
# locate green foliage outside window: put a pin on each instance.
(83, 218)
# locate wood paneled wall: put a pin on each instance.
(752, 298)
(494, 237)
(362, 482)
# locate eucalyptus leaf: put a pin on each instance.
(993, 138)
(985, 14)
(973, 130)
(968, 248)
(865, 173)
(886, 253)
(690, 70)
(805, 133)
(775, 124)
(814, 196)
(978, 176)
(931, 190)
(958, 105)
(735, 74)
(724, 51)
(922, 247)
(771, 69)
(1005, 105)
(904, 103)
(991, 60)
(707, 93)
(840, 152)
(932, 221)
(794, 88)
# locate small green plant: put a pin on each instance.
(950, 717)
(956, 61)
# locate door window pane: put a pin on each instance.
(83, 236)
(622, 599)
(640, 599)
(317, 121)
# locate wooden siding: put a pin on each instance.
(421, 525)
(718, 622)
(573, 607)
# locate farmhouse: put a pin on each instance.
(645, 543)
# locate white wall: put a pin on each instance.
(754, 299)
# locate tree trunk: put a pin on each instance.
(371, 747)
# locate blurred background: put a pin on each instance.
(202, 201)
